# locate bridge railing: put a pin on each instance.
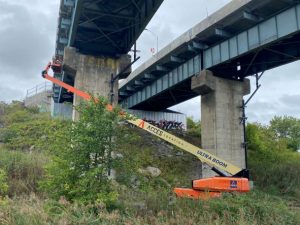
(43, 87)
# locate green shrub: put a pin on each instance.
(80, 166)
(193, 128)
(274, 167)
(25, 129)
(37, 132)
(287, 128)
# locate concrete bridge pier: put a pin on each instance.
(221, 112)
(93, 74)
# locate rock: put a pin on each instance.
(120, 156)
(115, 155)
(153, 171)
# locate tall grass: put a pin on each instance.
(251, 209)
(24, 170)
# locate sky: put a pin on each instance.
(27, 43)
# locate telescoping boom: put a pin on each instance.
(203, 188)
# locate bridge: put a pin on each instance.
(243, 38)
(99, 28)
(212, 59)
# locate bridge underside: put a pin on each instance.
(173, 96)
(110, 27)
(266, 44)
(267, 57)
(101, 28)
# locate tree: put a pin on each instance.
(79, 168)
(193, 128)
(273, 165)
(288, 129)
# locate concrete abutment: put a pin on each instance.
(221, 110)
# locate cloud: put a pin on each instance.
(264, 111)
(172, 19)
(27, 40)
(10, 93)
(278, 95)
(292, 101)
(191, 108)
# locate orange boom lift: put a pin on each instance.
(230, 179)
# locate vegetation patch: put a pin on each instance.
(55, 172)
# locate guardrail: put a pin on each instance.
(43, 87)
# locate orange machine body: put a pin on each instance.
(195, 194)
(213, 187)
(222, 184)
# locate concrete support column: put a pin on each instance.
(221, 112)
(93, 74)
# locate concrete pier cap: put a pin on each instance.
(205, 82)
(221, 113)
(93, 73)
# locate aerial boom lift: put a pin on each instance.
(231, 178)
